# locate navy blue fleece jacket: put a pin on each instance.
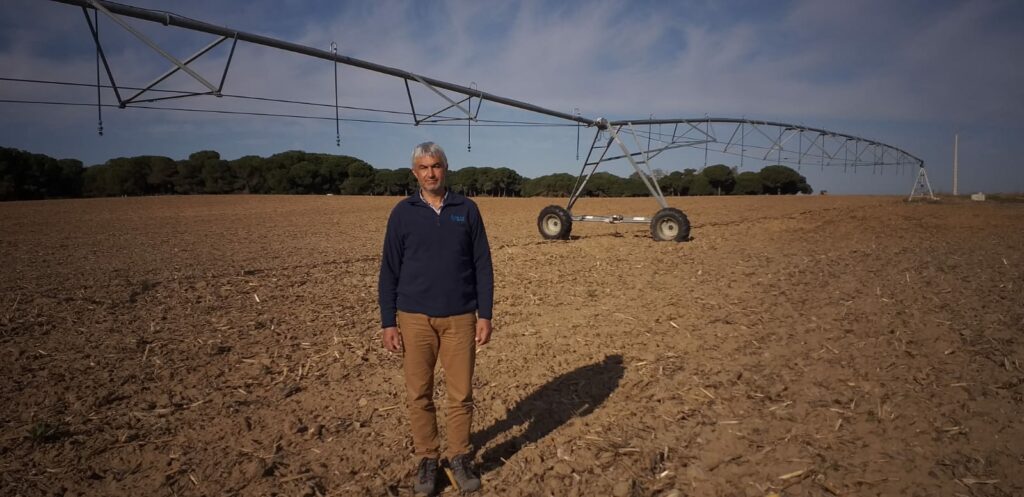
(435, 264)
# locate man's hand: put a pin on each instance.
(483, 332)
(393, 339)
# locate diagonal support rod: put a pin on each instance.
(614, 132)
(170, 72)
(98, 6)
(94, 29)
(453, 103)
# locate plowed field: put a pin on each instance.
(229, 346)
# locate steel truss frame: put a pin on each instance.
(178, 65)
(115, 11)
(782, 143)
(747, 138)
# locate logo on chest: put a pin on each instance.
(458, 219)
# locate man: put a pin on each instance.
(436, 291)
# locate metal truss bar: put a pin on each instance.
(412, 106)
(447, 118)
(103, 56)
(581, 180)
(800, 149)
(783, 143)
(656, 152)
(859, 151)
(655, 136)
(583, 168)
(774, 141)
(701, 131)
(442, 119)
(765, 135)
(449, 100)
(479, 102)
(731, 137)
(613, 219)
(227, 64)
(169, 19)
(614, 131)
(803, 153)
(636, 141)
(664, 144)
(175, 69)
(835, 155)
(845, 147)
(647, 167)
(761, 123)
(102, 8)
(779, 144)
(710, 131)
(824, 153)
(171, 97)
(647, 156)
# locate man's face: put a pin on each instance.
(429, 172)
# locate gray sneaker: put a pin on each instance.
(463, 474)
(426, 477)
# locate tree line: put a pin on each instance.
(29, 176)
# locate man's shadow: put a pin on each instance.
(573, 394)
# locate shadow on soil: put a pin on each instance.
(573, 394)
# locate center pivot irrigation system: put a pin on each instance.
(637, 141)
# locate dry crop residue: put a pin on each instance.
(801, 345)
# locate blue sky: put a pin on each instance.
(909, 73)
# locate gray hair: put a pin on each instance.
(430, 149)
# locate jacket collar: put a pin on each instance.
(452, 198)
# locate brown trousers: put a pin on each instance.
(453, 340)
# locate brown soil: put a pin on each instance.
(804, 346)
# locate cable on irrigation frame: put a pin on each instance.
(554, 222)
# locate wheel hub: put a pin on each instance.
(552, 224)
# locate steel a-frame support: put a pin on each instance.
(639, 160)
(668, 224)
(921, 184)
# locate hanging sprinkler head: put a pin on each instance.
(337, 120)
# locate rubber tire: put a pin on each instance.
(554, 223)
(670, 224)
